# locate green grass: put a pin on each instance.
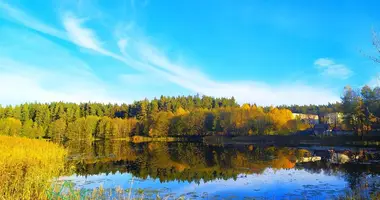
(27, 167)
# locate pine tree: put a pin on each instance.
(24, 113)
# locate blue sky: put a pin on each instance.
(264, 52)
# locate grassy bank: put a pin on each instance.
(27, 167)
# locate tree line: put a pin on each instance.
(166, 116)
(180, 116)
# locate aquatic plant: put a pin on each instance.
(66, 190)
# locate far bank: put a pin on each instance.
(296, 140)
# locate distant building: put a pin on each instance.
(308, 118)
(334, 119)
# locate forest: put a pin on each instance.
(181, 116)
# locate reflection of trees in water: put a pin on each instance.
(196, 161)
(356, 175)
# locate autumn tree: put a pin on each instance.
(160, 124)
(280, 118)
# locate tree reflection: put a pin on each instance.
(195, 162)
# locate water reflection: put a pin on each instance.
(237, 171)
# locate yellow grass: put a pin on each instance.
(27, 167)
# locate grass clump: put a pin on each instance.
(27, 167)
(66, 190)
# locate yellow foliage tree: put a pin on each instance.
(180, 111)
(280, 118)
(245, 106)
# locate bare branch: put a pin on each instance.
(376, 44)
(375, 40)
(375, 59)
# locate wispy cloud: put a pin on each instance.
(19, 16)
(137, 52)
(324, 62)
(328, 67)
(243, 91)
(79, 35)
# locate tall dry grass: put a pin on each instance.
(27, 167)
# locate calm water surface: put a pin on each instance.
(199, 171)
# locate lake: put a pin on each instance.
(199, 171)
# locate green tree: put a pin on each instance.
(10, 126)
(90, 124)
(352, 105)
(17, 112)
(24, 113)
(59, 112)
(84, 128)
(160, 125)
(42, 117)
(125, 127)
(107, 129)
(57, 130)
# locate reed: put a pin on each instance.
(27, 167)
(66, 190)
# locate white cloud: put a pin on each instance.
(122, 44)
(26, 83)
(323, 62)
(138, 53)
(81, 36)
(33, 68)
(329, 68)
(244, 91)
(374, 82)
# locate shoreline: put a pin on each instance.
(295, 140)
(278, 140)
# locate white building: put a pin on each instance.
(309, 118)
